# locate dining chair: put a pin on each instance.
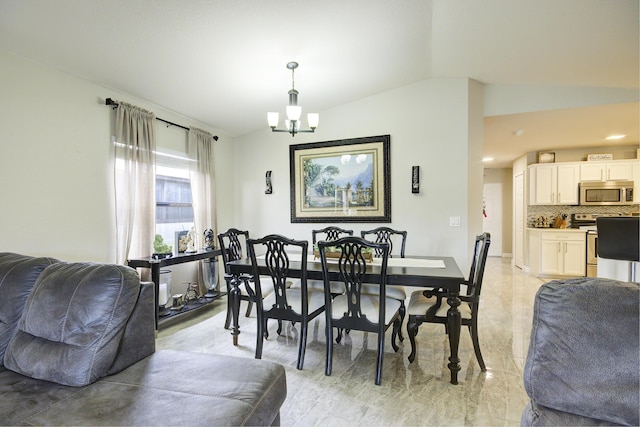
(331, 233)
(427, 306)
(231, 247)
(355, 310)
(283, 303)
(389, 235)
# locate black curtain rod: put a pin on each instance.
(114, 104)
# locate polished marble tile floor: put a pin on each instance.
(416, 394)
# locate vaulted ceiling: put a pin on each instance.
(223, 62)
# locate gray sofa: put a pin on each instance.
(77, 347)
(583, 364)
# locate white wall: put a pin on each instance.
(431, 124)
(55, 162)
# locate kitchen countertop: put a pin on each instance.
(569, 230)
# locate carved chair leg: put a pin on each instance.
(339, 337)
(279, 330)
(412, 330)
(403, 311)
(249, 307)
(396, 329)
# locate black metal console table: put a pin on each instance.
(156, 264)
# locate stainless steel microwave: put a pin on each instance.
(606, 193)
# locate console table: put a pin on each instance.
(156, 264)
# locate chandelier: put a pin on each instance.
(294, 111)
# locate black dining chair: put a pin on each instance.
(283, 302)
(389, 235)
(355, 310)
(428, 306)
(329, 234)
(231, 242)
(619, 239)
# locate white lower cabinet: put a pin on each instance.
(557, 252)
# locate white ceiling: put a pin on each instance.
(222, 62)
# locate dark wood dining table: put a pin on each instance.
(415, 271)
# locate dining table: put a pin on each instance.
(415, 271)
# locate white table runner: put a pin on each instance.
(396, 262)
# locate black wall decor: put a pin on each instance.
(269, 188)
(415, 179)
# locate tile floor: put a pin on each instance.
(417, 394)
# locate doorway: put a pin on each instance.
(492, 216)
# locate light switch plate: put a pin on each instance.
(454, 221)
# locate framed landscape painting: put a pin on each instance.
(341, 181)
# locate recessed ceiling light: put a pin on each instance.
(518, 132)
(487, 159)
(614, 137)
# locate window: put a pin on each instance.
(174, 209)
(173, 200)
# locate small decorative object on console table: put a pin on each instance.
(209, 239)
(191, 241)
(160, 249)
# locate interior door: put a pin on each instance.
(492, 218)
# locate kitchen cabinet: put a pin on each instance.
(555, 252)
(617, 170)
(554, 184)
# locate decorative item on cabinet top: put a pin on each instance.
(598, 157)
(546, 157)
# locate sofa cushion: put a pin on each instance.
(583, 356)
(168, 388)
(72, 323)
(18, 274)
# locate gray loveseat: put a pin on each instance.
(583, 365)
(77, 347)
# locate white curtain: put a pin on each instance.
(203, 188)
(135, 189)
(203, 185)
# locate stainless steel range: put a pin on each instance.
(587, 221)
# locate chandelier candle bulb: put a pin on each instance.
(273, 119)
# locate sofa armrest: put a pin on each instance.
(139, 339)
(583, 356)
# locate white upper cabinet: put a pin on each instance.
(554, 184)
(617, 170)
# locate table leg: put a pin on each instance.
(234, 294)
(454, 324)
(155, 278)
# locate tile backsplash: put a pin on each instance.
(552, 211)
